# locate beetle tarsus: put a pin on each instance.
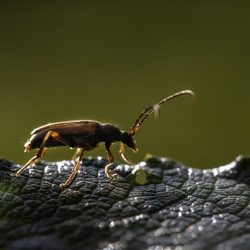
(109, 173)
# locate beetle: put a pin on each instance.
(85, 135)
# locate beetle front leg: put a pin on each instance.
(121, 151)
(109, 173)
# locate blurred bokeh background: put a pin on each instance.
(107, 60)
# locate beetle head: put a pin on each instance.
(128, 139)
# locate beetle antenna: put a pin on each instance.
(155, 108)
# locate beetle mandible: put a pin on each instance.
(85, 135)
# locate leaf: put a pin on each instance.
(157, 203)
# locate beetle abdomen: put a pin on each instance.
(36, 140)
(82, 135)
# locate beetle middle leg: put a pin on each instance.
(41, 151)
(109, 173)
(79, 153)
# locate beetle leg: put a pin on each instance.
(109, 173)
(41, 152)
(121, 151)
(77, 154)
(76, 169)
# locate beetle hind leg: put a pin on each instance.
(41, 152)
(28, 163)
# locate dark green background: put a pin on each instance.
(107, 60)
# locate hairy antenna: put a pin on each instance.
(155, 108)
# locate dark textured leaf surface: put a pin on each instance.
(157, 204)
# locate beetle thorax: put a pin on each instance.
(111, 133)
